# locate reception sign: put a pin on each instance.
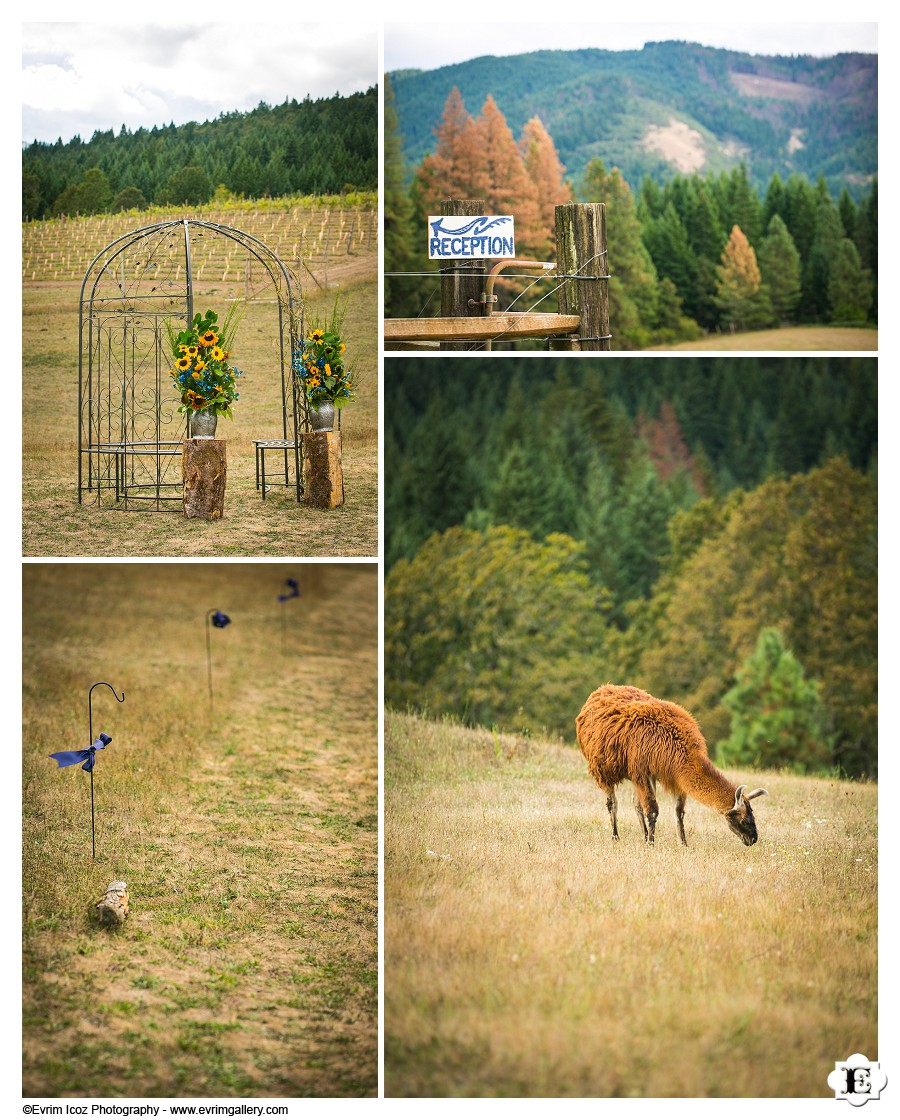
(459, 237)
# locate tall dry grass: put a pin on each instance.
(527, 954)
(247, 835)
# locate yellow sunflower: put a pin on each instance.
(192, 351)
(209, 339)
(196, 376)
(218, 354)
(184, 363)
(200, 365)
(316, 336)
(182, 349)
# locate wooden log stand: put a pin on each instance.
(203, 471)
(112, 909)
(323, 474)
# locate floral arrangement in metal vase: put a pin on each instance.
(319, 363)
(203, 375)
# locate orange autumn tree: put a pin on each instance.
(546, 171)
(481, 159)
(509, 190)
(739, 295)
(451, 170)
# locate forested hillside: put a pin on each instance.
(685, 525)
(327, 146)
(699, 253)
(779, 114)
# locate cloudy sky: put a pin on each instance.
(78, 77)
(428, 46)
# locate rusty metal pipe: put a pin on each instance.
(488, 299)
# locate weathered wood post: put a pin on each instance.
(203, 469)
(462, 280)
(581, 259)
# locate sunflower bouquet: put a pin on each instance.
(319, 363)
(203, 376)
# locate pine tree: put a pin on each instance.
(815, 303)
(633, 282)
(780, 268)
(739, 284)
(451, 171)
(777, 716)
(849, 285)
(774, 202)
(546, 171)
(667, 241)
(399, 255)
(847, 210)
(507, 186)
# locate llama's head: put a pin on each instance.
(740, 818)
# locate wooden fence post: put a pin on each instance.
(462, 280)
(581, 251)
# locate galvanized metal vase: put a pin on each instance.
(203, 424)
(321, 416)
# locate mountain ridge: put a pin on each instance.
(781, 113)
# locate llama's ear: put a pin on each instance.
(755, 793)
(738, 796)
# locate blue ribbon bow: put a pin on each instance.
(70, 758)
(295, 591)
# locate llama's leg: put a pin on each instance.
(612, 806)
(679, 816)
(645, 792)
(640, 814)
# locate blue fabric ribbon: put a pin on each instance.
(70, 758)
(295, 591)
(220, 620)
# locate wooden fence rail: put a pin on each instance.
(467, 321)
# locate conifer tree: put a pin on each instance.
(780, 268)
(739, 284)
(501, 168)
(667, 241)
(399, 255)
(546, 171)
(777, 716)
(849, 285)
(633, 282)
(815, 304)
(450, 171)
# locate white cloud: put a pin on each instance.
(77, 77)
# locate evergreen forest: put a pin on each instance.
(703, 528)
(691, 255)
(326, 146)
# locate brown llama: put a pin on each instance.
(625, 732)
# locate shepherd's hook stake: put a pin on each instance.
(121, 700)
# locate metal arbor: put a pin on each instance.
(129, 429)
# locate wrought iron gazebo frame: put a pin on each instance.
(129, 431)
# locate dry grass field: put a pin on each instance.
(526, 954)
(792, 339)
(54, 524)
(247, 836)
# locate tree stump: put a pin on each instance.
(203, 471)
(323, 475)
(112, 909)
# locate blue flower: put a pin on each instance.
(220, 620)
